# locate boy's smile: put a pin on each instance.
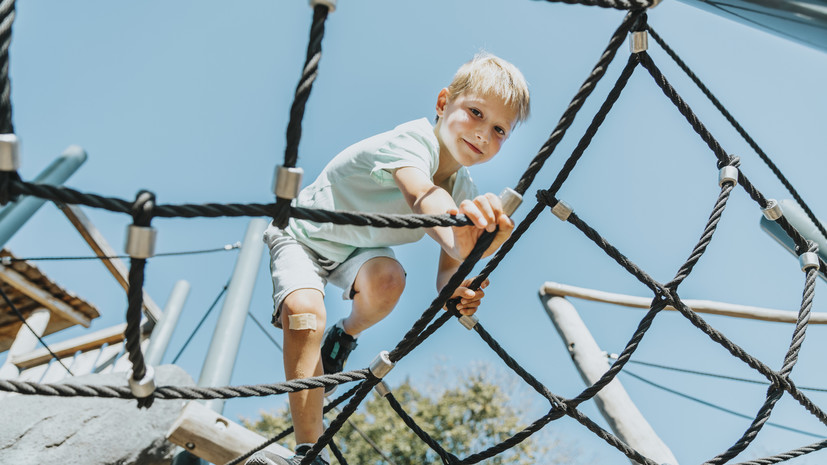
(471, 127)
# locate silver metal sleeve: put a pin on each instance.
(728, 174)
(561, 210)
(808, 260)
(145, 386)
(639, 41)
(331, 4)
(469, 321)
(773, 210)
(287, 182)
(511, 200)
(140, 241)
(9, 152)
(381, 365)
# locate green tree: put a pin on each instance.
(466, 418)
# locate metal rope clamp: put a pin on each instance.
(330, 4)
(287, 182)
(561, 210)
(382, 389)
(773, 210)
(9, 152)
(511, 200)
(381, 365)
(140, 241)
(808, 260)
(469, 321)
(639, 41)
(145, 386)
(728, 173)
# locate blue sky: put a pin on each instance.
(191, 99)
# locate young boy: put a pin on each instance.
(416, 168)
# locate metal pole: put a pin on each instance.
(613, 402)
(221, 355)
(801, 222)
(162, 333)
(17, 213)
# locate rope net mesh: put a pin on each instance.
(144, 208)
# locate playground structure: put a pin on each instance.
(279, 210)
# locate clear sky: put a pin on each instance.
(191, 99)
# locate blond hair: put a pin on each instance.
(487, 74)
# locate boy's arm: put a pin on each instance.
(485, 211)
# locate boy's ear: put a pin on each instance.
(441, 100)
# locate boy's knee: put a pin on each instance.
(387, 278)
(303, 310)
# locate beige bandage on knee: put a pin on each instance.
(301, 321)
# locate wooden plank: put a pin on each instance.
(700, 306)
(102, 248)
(614, 403)
(46, 299)
(64, 348)
(213, 437)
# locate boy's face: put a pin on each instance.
(473, 127)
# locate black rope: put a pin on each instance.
(615, 4)
(183, 392)
(331, 405)
(741, 131)
(142, 211)
(617, 39)
(7, 15)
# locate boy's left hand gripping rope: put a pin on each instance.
(9, 164)
(140, 245)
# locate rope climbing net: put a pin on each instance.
(144, 208)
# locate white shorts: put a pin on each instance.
(295, 266)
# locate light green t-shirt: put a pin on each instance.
(360, 179)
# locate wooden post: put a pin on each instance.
(208, 435)
(101, 247)
(613, 402)
(699, 306)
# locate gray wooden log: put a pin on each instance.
(614, 403)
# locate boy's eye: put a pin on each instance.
(499, 130)
(476, 112)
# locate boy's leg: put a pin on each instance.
(377, 287)
(302, 360)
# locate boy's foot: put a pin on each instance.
(265, 457)
(336, 347)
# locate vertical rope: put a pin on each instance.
(7, 14)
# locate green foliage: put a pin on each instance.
(464, 419)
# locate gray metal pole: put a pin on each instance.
(221, 355)
(162, 333)
(801, 222)
(15, 214)
(613, 402)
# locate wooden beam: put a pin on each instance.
(700, 306)
(213, 437)
(11, 277)
(67, 348)
(102, 248)
(614, 403)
